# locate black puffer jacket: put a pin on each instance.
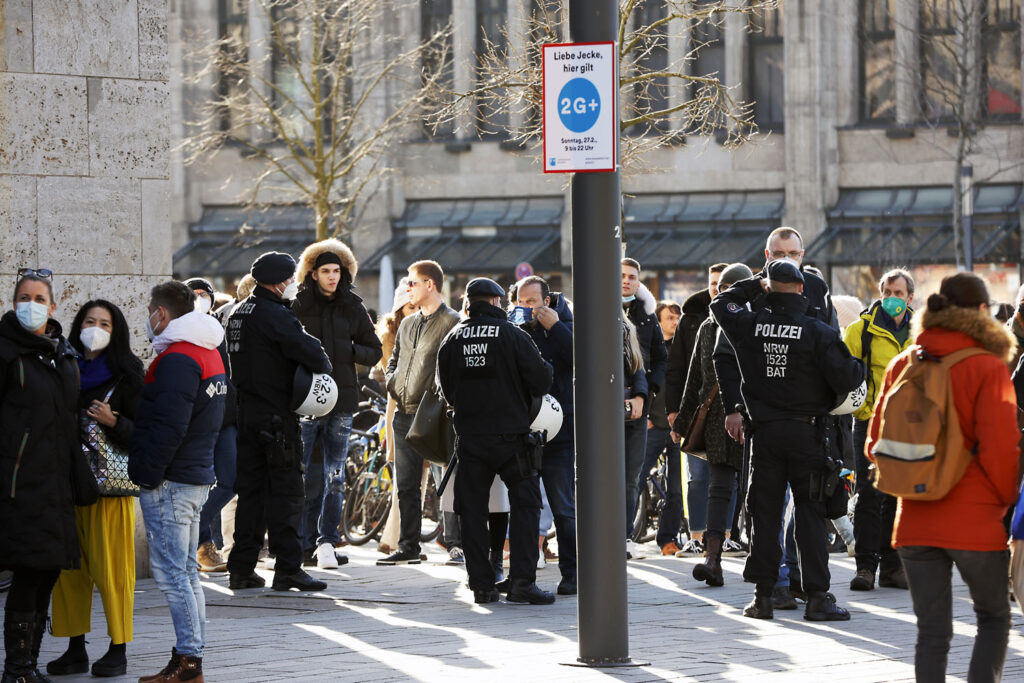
(695, 311)
(343, 327)
(38, 437)
(700, 380)
(648, 333)
(123, 401)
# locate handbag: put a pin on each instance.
(431, 433)
(107, 462)
(84, 490)
(693, 443)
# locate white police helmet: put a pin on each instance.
(313, 394)
(852, 401)
(546, 416)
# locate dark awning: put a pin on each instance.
(914, 225)
(475, 235)
(692, 231)
(227, 239)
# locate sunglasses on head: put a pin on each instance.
(44, 273)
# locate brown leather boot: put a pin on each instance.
(711, 571)
(180, 668)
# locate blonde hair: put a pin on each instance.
(631, 346)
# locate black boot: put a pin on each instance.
(760, 608)
(527, 591)
(711, 571)
(114, 663)
(38, 627)
(300, 580)
(75, 659)
(499, 571)
(19, 639)
(823, 607)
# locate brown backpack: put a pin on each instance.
(920, 452)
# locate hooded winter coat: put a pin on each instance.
(38, 437)
(182, 405)
(342, 323)
(555, 345)
(970, 517)
(696, 310)
(648, 333)
(885, 346)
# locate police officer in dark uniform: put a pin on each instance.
(266, 344)
(793, 366)
(489, 371)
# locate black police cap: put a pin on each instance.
(273, 268)
(484, 286)
(783, 271)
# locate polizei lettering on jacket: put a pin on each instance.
(778, 331)
(478, 332)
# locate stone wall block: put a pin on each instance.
(128, 135)
(43, 127)
(153, 59)
(156, 238)
(18, 225)
(86, 37)
(90, 225)
(16, 35)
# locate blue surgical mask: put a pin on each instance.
(32, 315)
(628, 299)
(520, 315)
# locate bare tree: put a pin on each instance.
(318, 97)
(663, 97)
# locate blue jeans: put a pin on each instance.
(225, 456)
(789, 569)
(697, 482)
(333, 432)
(636, 444)
(558, 470)
(171, 514)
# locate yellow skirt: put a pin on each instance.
(106, 533)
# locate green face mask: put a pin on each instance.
(894, 306)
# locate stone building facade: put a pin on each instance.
(854, 151)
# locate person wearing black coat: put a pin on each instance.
(38, 440)
(266, 345)
(551, 330)
(111, 383)
(331, 312)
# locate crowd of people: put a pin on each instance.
(754, 392)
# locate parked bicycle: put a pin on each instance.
(369, 476)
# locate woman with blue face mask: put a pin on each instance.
(38, 439)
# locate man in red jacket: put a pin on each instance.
(966, 527)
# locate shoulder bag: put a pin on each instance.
(693, 443)
(107, 461)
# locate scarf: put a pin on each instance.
(94, 372)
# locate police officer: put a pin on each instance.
(489, 371)
(793, 366)
(266, 344)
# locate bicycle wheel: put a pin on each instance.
(368, 505)
(430, 522)
(654, 502)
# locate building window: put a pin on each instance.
(767, 68)
(491, 15)
(1001, 43)
(877, 61)
(233, 29)
(939, 58)
(288, 91)
(436, 17)
(545, 26)
(651, 95)
(706, 37)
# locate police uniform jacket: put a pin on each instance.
(792, 365)
(489, 371)
(266, 343)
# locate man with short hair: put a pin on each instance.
(409, 374)
(550, 327)
(266, 345)
(878, 336)
(171, 458)
(330, 311)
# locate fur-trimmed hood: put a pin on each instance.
(975, 323)
(310, 254)
(644, 295)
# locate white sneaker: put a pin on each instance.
(541, 561)
(456, 558)
(630, 549)
(325, 557)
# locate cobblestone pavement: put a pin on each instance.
(420, 623)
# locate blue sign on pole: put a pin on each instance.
(579, 105)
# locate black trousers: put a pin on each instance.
(30, 591)
(480, 459)
(785, 451)
(270, 495)
(874, 514)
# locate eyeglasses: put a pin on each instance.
(44, 273)
(795, 255)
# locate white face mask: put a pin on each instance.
(32, 315)
(203, 304)
(94, 338)
(290, 292)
